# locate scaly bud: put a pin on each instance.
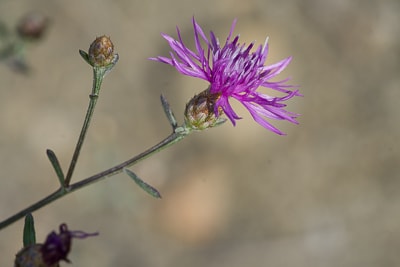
(55, 248)
(32, 26)
(31, 256)
(199, 112)
(101, 52)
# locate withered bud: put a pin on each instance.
(55, 248)
(31, 256)
(101, 52)
(32, 26)
(199, 112)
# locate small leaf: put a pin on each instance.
(29, 237)
(56, 165)
(145, 186)
(85, 56)
(168, 112)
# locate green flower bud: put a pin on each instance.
(200, 112)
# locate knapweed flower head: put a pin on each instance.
(234, 71)
(57, 246)
(31, 256)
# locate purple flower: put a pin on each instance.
(57, 246)
(234, 71)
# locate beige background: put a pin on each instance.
(327, 194)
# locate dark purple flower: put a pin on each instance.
(57, 246)
(234, 71)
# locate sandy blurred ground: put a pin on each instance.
(327, 194)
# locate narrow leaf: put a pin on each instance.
(85, 56)
(56, 165)
(145, 186)
(29, 237)
(168, 112)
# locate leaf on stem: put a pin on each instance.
(168, 112)
(56, 165)
(85, 56)
(145, 186)
(29, 237)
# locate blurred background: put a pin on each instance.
(327, 194)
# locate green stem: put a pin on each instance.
(170, 140)
(50, 198)
(98, 75)
(173, 138)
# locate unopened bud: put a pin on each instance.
(101, 52)
(32, 26)
(199, 112)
